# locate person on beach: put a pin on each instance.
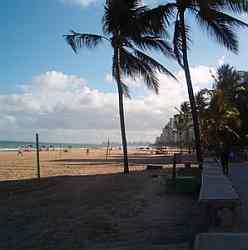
(224, 159)
(87, 151)
(19, 152)
(231, 155)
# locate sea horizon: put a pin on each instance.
(9, 145)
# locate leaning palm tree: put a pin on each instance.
(215, 16)
(130, 28)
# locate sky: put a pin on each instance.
(46, 88)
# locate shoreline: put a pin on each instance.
(51, 149)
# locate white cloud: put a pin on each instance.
(83, 3)
(64, 108)
(201, 76)
(128, 81)
(109, 78)
(221, 61)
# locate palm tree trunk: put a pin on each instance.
(191, 92)
(121, 112)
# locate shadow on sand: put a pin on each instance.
(137, 160)
(113, 211)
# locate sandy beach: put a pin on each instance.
(83, 201)
(74, 162)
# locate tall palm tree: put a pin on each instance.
(215, 16)
(130, 28)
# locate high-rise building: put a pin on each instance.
(243, 76)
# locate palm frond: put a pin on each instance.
(177, 43)
(156, 19)
(121, 15)
(125, 90)
(236, 6)
(221, 27)
(114, 67)
(78, 40)
(124, 87)
(177, 40)
(132, 20)
(152, 63)
(154, 43)
(133, 67)
(185, 107)
(222, 17)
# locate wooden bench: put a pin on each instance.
(154, 167)
(221, 241)
(218, 197)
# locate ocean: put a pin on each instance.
(16, 145)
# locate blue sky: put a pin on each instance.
(32, 47)
(34, 42)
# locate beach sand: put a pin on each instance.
(92, 205)
(74, 162)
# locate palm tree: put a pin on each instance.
(185, 107)
(183, 123)
(235, 93)
(212, 16)
(222, 120)
(130, 28)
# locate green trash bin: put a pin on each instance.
(186, 184)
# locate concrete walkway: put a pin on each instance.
(239, 177)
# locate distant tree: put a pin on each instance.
(219, 116)
(234, 91)
(222, 111)
(223, 121)
(130, 28)
(241, 97)
(214, 16)
(201, 99)
(227, 80)
(185, 107)
(183, 124)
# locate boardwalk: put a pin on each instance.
(239, 177)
